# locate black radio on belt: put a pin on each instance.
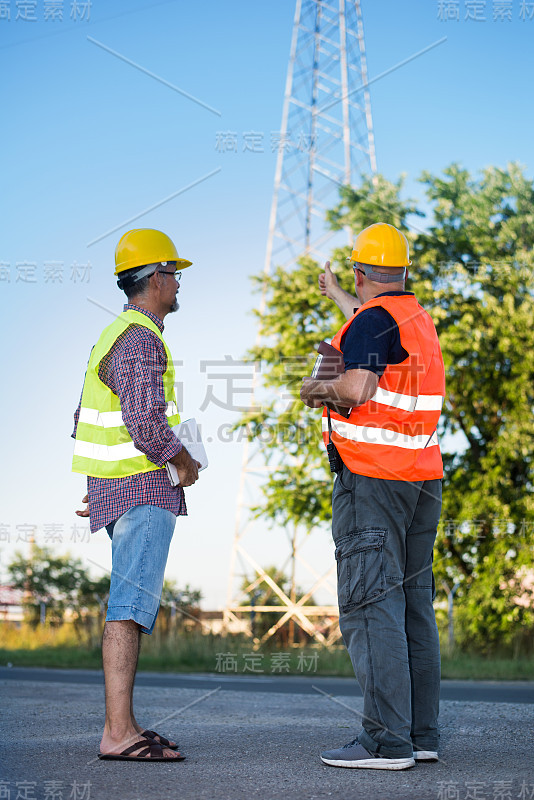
(334, 459)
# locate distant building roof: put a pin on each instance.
(9, 596)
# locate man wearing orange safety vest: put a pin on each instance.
(386, 501)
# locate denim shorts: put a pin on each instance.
(140, 545)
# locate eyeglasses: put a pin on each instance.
(177, 274)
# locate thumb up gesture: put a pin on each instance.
(328, 282)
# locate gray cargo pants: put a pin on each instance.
(384, 533)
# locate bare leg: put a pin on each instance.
(134, 721)
(136, 725)
(120, 649)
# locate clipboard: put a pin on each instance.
(328, 365)
(188, 433)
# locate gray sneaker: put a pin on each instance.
(355, 756)
(425, 755)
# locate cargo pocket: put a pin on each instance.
(361, 575)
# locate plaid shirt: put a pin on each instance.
(133, 370)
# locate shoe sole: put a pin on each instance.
(426, 755)
(112, 757)
(372, 763)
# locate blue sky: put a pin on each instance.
(89, 142)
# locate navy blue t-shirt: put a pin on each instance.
(373, 340)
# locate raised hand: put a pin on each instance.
(328, 283)
(329, 286)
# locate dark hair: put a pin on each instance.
(133, 288)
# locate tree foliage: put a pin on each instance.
(180, 608)
(473, 271)
(69, 592)
(60, 582)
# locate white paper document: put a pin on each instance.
(189, 435)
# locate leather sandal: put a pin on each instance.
(162, 740)
(148, 751)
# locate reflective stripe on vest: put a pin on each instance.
(103, 447)
(423, 402)
(384, 436)
(393, 434)
(105, 452)
(113, 419)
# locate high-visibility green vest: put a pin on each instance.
(103, 447)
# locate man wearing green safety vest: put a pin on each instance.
(123, 439)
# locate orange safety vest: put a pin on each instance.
(393, 436)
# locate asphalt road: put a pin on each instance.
(481, 691)
(246, 738)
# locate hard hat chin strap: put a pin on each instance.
(381, 277)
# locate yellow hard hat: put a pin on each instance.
(146, 246)
(382, 245)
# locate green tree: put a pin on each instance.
(475, 268)
(179, 607)
(89, 607)
(473, 272)
(60, 583)
(52, 580)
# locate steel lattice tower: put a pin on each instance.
(326, 141)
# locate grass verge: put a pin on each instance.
(195, 653)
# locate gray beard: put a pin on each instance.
(175, 306)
